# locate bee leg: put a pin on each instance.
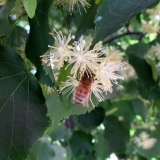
(85, 104)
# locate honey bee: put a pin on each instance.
(83, 90)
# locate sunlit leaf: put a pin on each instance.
(30, 7)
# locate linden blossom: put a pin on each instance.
(105, 73)
(74, 5)
(58, 53)
(97, 90)
(84, 59)
(96, 62)
(69, 85)
(154, 52)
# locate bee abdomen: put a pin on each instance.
(80, 96)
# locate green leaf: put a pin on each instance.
(100, 147)
(131, 91)
(154, 4)
(22, 107)
(42, 150)
(87, 20)
(117, 136)
(154, 68)
(140, 108)
(154, 93)
(139, 49)
(141, 67)
(39, 39)
(63, 74)
(123, 110)
(148, 88)
(57, 111)
(144, 73)
(17, 37)
(93, 119)
(81, 143)
(5, 26)
(61, 132)
(113, 14)
(30, 7)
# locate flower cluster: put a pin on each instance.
(152, 24)
(149, 27)
(73, 5)
(81, 58)
(144, 140)
(154, 54)
(155, 14)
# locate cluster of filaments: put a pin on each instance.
(73, 5)
(81, 58)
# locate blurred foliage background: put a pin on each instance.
(35, 124)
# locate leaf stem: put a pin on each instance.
(64, 19)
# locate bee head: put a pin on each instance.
(87, 77)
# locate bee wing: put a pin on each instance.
(85, 103)
(73, 98)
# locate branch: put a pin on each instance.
(141, 34)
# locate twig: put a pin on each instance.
(141, 34)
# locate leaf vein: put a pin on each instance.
(12, 65)
(12, 75)
(13, 93)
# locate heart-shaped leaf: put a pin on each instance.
(22, 107)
